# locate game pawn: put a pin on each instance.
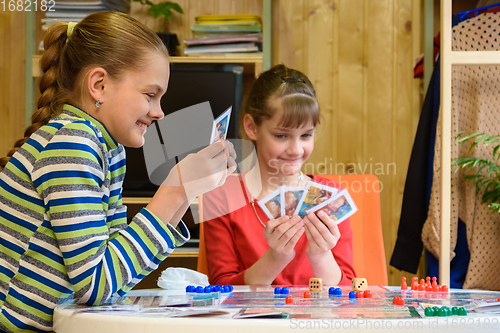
(414, 283)
(404, 286)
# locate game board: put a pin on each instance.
(322, 305)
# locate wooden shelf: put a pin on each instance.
(250, 64)
(184, 253)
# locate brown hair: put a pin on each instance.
(112, 40)
(288, 87)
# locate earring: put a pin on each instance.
(98, 103)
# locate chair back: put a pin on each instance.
(366, 223)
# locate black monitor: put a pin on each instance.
(190, 84)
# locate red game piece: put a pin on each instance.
(414, 283)
(289, 300)
(444, 288)
(421, 286)
(498, 300)
(434, 281)
(428, 287)
(307, 294)
(398, 301)
(404, 286)
(367, 294)
(428, 281)
(359, 294)
(435, 288)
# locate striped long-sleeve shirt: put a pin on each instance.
(63, 227)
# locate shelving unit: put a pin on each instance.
(450, 58)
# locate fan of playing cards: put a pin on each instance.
(303, 200)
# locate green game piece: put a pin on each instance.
(429, 312)
(462, 311)
(443, 312)
(454, 310)
(436, 310)
(450, 312)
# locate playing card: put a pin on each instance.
(220, 126)
(338, 207)
(290, 197)
(271, 205)
(314, 195)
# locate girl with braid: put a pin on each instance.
(63, 227)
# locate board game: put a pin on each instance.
(324, 305)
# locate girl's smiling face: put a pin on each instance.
(282, 151)
(131, 104)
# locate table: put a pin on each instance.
(67, 319)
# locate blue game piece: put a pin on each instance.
(190, 289)
(352, 294)
(284, 291)
(208, 289)
(230, 287)
(226, 289)
(218, 287)
(199, 289)
(331, 290)
(277, 291)
(337, 292)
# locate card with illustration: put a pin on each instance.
(314, 195)
(290, 197)
(220, 126)
(339, 207)
(271, 205)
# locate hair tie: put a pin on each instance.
(71, 26)
(291, 78)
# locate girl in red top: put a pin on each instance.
(242, 245)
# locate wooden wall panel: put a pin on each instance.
(12, 58)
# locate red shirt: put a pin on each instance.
(235, 240)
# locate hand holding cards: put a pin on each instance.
(303, 200)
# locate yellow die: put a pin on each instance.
(315, 284)
(359, 284)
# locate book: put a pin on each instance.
(221, 48)
(255, 37)
(229, 19)
(227, 55)
(221, 28)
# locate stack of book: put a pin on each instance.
(76, 10)
(237, 35)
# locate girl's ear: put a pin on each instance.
(250, 127)
(95, 83)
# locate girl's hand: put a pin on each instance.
(322, 234)
(205, 170)
(282, 234)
